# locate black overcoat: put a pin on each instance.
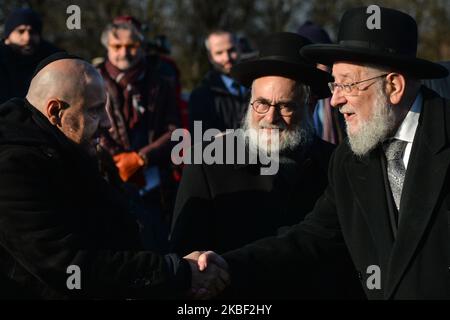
(414, 259)
(57, 211)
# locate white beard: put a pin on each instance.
(376, 130)
(279, 140)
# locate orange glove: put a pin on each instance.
(128, 163)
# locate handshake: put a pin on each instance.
(209, 274)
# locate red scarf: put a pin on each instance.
(126, 80)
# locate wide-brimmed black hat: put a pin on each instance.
(393, 45)
(280, 56)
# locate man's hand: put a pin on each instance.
(207, 257)
(128, 163)
(208, 277)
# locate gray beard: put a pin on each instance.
(374, 131)
(289, 139)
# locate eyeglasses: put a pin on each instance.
(286, 108)
(130, 46)
(349, 87)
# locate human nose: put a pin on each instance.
(226, 57)
(338, 98)
(272, 114)
(121, 50)
(26, 36)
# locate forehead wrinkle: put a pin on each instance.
(354, 74)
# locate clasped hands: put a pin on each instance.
(209, 274)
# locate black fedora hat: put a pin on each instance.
(280, 56)
(393, 45)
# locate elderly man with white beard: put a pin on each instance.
(224, 206)
(388, 196)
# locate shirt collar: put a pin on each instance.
(408, 128)
(229, 84)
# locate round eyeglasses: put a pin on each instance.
(286, 109)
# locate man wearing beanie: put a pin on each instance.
(21, 49)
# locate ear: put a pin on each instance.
(208, 54)
(54, 111)
(396, 85)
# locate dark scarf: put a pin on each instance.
(127, 84)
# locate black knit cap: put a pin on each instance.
(22, 16)
(52, 58)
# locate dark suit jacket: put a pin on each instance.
(222, 207)
(215, 106)
(354, 211)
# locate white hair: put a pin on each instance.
(383, 122)
(113, 27)
(375, 130)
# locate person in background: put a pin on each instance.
(21, 49)
(328, 122)
(159, 54)
(143, 113)
(219, 102)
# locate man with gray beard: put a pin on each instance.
(290, 137)
(388, 197)
(225, 206)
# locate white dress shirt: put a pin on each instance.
(408, 128)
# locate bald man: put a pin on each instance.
(73, 100)
(64, 232)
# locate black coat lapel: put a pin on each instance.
(425, 176)
(366, 179)
(293, 166)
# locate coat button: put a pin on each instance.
(141, 282)
(360, 276)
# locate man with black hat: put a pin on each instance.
(388, 195)
(224, 206)
(64, 231)
(20, 52)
